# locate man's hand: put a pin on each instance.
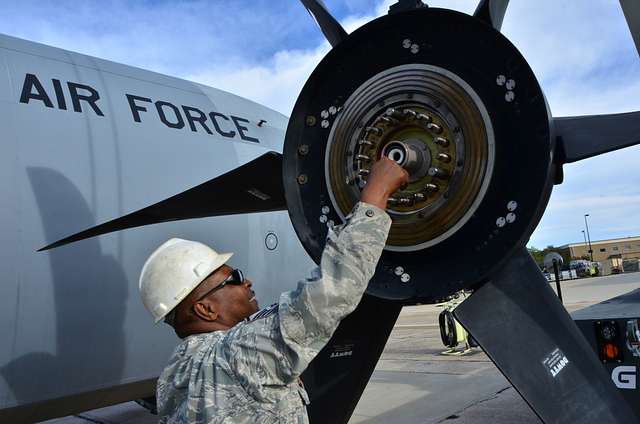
(385, 178)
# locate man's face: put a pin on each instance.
(233, 302)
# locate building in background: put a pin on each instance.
(614, 255)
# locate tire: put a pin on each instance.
(448, 332)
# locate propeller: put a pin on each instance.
(241, 190)
(582, 137)
(631, 9)
(513, 313)
(329, 25)
(338, 375)
(520, 323)
(491, 12)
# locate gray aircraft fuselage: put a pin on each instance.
(86, 140)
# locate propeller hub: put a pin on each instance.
(434, 125)
(412, 154)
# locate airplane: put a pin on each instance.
(87, 140)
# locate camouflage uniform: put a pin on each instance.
(249, 374)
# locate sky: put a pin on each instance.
(581, 52)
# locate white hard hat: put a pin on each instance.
(173, 270)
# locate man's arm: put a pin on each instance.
(281, 346)
(310, 314)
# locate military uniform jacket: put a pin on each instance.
(250, 373)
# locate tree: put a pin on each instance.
(538, 255)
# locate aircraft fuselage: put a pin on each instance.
(86, 140)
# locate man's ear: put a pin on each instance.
(205, 310)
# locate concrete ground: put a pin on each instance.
(415, 383)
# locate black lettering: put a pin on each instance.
(213, 116)
(135, 109)
(90, 98)
(192, 119)
(57, 87)
(31, 81)
(242, 129)
(163, 117)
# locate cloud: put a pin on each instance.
(172, 37)
(276, 83)
(583, 54)
(569, 39)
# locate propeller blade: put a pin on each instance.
(631, 10)
(520, 323)
(253, 187)
(582, 137)
(330, 27)
(336, 378)
(491, 12)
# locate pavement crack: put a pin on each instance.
(503, 390)
(459, 413)
(91, 420)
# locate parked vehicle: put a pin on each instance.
(583, 267)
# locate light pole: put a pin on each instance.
(584, 235)
(588, 237)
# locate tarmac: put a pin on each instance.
(414, 382)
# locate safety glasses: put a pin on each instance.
(236, 278)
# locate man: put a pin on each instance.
(229, 369)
